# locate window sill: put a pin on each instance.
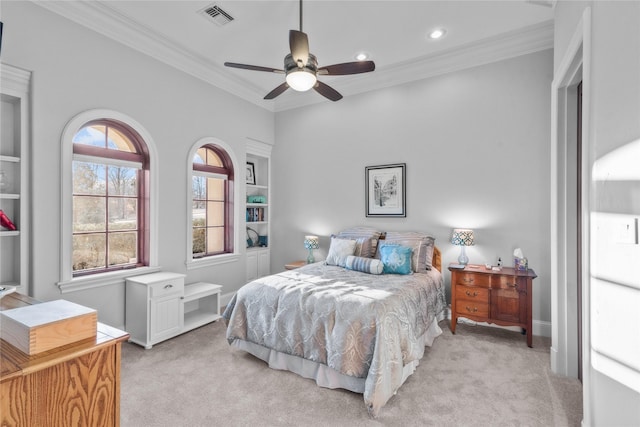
(212, 260)
(104, 279)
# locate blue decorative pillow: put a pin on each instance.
(365, 265)
(396, 259)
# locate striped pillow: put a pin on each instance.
(421, 243)
(365, 265)
(367, 236)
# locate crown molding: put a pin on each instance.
(497, 48)
(103, 19)
(99, 17)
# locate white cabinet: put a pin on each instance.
(258, 210)
(160, 306)
(14, 175)
(258, 263)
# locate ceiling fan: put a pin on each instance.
(301, 68)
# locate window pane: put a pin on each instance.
(213, 159)
(88, 178)
(215, 189)
(118, 141)
(89, 251)
(215, 239)
(123, 248)
(198, 214)
(122, 181)
(89, 214)
(91, 135)
(200, 156)
(198, 241)
(123, 214)
(199, 186)
(215, 214)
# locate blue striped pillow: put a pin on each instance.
(365, 265)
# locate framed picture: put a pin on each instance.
(385, 188)
(251, 173)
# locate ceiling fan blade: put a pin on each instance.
(299, 45)
(253, 67)
(277, 91)
(348, 68)
(327, 91)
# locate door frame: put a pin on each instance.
(573, 68)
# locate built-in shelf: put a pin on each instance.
(14, 164)
(11, 159)
(258, 214)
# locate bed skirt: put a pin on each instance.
(323, 375)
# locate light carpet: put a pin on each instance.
(481, 376)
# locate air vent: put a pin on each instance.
(216, 14)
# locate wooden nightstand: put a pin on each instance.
(295, 264)
(500, 297)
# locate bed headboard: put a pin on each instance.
(436, 261)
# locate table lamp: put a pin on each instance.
(462, 237)
(311, 243)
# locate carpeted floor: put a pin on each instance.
(480, 376)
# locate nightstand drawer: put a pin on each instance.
(169, 287)
(472, 308)
(509, 282)
(473, 279)
(477, 295)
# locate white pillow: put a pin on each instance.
(339, 250)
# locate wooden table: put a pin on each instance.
(502, 297)
(74, 385)
(295, 264)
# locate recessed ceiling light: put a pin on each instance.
(438, 33)
(362, 56)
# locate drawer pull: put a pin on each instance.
(513, 285)
(471, 294)
(169, 286)
(471, 310)
(467, 279)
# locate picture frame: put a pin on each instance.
(251, 174)
(385, 190)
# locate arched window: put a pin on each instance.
(212, 202)
(110, 211)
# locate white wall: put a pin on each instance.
(611, 327)
(74, 70)
(476, 145)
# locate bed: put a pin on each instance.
(343, 327)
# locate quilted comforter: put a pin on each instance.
(360, 325)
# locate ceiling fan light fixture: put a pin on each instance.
(298, 78)
(301, 80)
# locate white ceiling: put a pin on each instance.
(393, 33)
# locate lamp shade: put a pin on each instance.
(311, 242)
(462, 237)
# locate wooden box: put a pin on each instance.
(41, 327)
